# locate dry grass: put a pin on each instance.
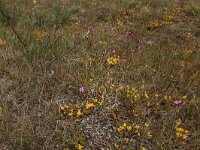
(89, 74)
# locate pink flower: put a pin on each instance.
(108, 81)
(182, 65)
(113, 51)
(130, 34)
(124, 60)
(178, 102)
(81, 89)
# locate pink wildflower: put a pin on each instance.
(124, 60)
(108, 81)
(81, 89)
(113, 51)
(182, 65)
(129, 33)
(178, 102)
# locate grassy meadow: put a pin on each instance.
(99, 75)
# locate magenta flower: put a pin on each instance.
(81, 89)
(130, 34)
(178, 102)
(108, 81)
(113, 51)
(182, 65)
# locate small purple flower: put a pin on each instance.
(81, 89)
(178, 102)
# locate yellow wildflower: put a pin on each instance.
(120, 128)
(146, 95)
(154, 24)
(103, 43)
(137, 126)
(67, 106)
(129, 128)
(168, 97)
(120, 24)
(186, 131)
(189, 35)
(39, 34)
(149, 134)
(179, 129)
(113, 60)
(178, 122)
(70, 113)
(79, 147)
(89, 105)
(2, 42)
(79, 113)
(117, 146)
(184, 137)
(143, 148)
(124, 125)
(184, 97)
(180, 132)
(95, 100)
(146, 125)
(126, 140)
(62, 108)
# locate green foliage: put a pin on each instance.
(195, 10)
(156, 54)
(53, 17)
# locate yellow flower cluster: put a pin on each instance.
(184, 97)
(34, 1)
(79, 113)
(124, 127)
(2, 42)
(145, 10)
(181, 132)
(168, 97)
(120, 24)
(132, 94)
(103, 43)
(153, 24)
(39, 34)
(69, 110)
(136, 129)
(188, 36)
(170, 15)
(146, 95)
(79, 147)
(143, 148)
(89, 105)
(113, 60)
